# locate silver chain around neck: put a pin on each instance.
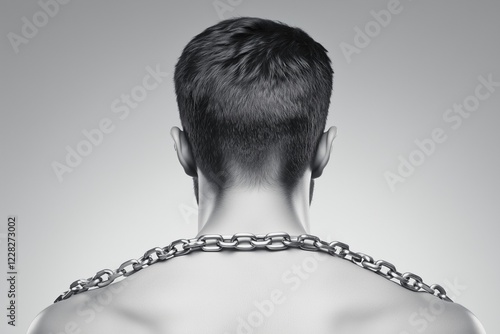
(247, 242)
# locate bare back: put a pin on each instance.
(290, 291)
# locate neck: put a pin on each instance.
(254, 210)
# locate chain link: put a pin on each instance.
(247, 242)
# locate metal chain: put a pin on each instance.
(247, 242)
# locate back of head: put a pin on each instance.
(253, 97)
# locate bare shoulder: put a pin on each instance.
(87, 312)
(56, 318)
(374, 304)
(429, 314)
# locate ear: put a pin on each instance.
(320, 160)
(184, 153)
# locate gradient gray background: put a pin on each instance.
(128, 194)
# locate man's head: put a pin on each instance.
(253, 97)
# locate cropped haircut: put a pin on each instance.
(253, 97)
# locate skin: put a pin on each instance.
(235, 212)
(292, 291)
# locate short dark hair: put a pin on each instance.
(253, 97)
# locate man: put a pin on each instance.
(253, 97)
